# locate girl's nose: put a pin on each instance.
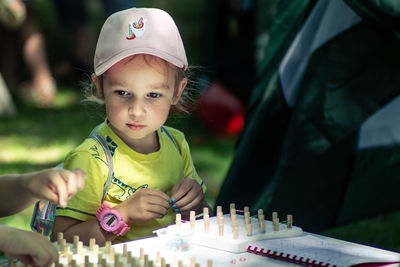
(137, 108)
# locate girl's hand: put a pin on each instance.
(56, 185)
(143, 205)
(188, 196)
(28, 247)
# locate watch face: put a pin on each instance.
(110, 221)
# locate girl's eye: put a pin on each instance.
(121, 92)
(153, 95)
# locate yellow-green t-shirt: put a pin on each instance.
(132, 170)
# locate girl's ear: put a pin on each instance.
(97, 82)
(179, 91)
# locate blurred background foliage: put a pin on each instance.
(40, 138)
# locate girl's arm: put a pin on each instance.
(143, 205)
(85, 230)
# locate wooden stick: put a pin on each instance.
(249, 229)
(60, 236)
(192, 261)
(141, 255)
(233, 212)
(92, 242)
(235, 232)
(125, 250)
(246, 209)
(192, 219)
(178, 219)
(289, 222)
(108, 247)
(232, 206)
(247, 217)
(76, 241)
(276, 224)
(205, 211)
(219, 209)
(261, 222)
(206, 223)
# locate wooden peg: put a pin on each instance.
(249, 229)
(261, 222)
(125, 249)
(209, 263)
(60, 236)
(219, 209)
(233, 212)
(158, 259)
(76, 241)
(92, 243)
(205, 211)
(192, 261)
(246, 209)
(108, 247)
(235, 232)
(276, 224)
(112, 253)
(274, 216)
(247, 217)
(178, 219)
(260, 212)
(206, 221)
(141, 255)
(192, 219)
(289, 222)
(129, 257)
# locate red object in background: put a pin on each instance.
(220, 110)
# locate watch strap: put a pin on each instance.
(122, 228)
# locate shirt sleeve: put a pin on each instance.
(84, 204)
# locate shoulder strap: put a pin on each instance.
(171, 137)
(107, 152)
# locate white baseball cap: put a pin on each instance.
(139, 31)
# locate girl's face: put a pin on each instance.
(138, 93)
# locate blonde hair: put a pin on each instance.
(184, 104)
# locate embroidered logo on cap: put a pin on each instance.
(136, 29)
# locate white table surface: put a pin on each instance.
(219, 258)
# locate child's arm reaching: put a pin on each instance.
(29, 247)
(143, 205)
(21, 191)
(188, 196)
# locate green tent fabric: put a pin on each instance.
(304, 160)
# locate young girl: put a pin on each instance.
(139, 74)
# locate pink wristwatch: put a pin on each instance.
(110, 220)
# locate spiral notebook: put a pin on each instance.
(313, 250)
